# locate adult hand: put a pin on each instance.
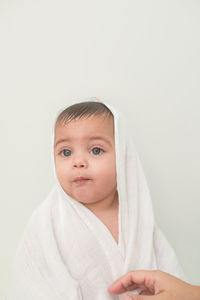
(155, 285)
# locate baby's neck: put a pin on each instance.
(109, 204)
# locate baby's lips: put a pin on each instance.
(81, 179)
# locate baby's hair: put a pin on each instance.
(83, 109)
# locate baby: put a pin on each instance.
(84, 154)
(97, 223)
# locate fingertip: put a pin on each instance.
(114, 287)
(110, 289)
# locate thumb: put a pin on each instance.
(161, 296)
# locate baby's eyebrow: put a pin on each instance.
(90, 138)
(101, 138)
(61, 141)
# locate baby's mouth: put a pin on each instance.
(81, 180)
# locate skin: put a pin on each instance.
(91, 145)
(156, 285)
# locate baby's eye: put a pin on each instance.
(97, 150)
(66, 152)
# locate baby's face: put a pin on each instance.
(84, 154)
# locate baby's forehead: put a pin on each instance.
(92, 121)
(85, 128)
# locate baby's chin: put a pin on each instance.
(82, 197)
(84, 200)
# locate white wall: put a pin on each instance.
(142, 56)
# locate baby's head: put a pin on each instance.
(84, 154)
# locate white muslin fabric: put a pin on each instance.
(67, 253)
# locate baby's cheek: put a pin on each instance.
(109, 175)
(62, 172)
(62, 166)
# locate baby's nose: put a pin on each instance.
(80, 163)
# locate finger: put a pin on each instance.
(123, 284)
(161, 296)
(133, 280)
(146, 292)
(121, 287)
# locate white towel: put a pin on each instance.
(67, 253)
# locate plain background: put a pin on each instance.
(141, 56)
